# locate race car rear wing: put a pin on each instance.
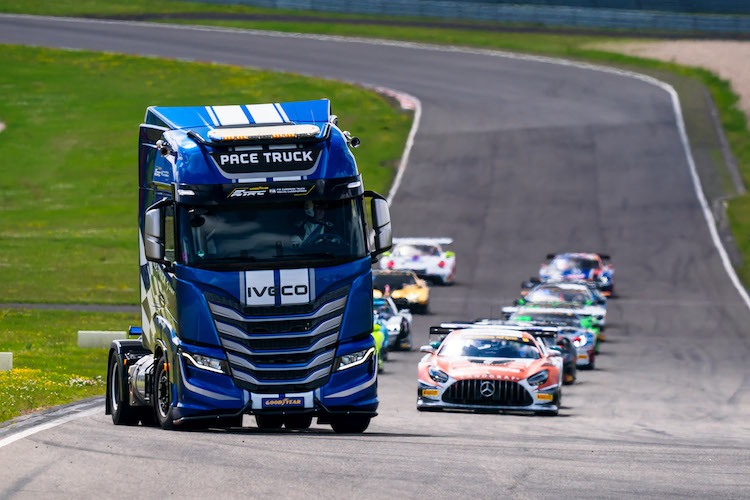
(427, 241)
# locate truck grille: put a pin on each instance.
(270, 354)
(496, 393)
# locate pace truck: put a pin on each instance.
(255, 272)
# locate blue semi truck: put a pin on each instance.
(255, 283)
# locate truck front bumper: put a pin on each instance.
(202, 394)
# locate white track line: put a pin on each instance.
(679, 120)
(49, 425)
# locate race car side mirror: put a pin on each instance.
(428, 349)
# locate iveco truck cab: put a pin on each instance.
(255, 272)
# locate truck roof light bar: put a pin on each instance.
(226, 134)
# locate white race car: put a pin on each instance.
(424, 256)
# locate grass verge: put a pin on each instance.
(69, 194)
(49, 368)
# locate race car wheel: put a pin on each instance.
(298, 422)
(122, 412)
(591, 364)
(269, 422)
(349, 424)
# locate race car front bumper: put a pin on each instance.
(432, 396)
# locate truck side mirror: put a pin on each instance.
(381, 221)
(153, 238)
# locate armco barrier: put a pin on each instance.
(580, 13)
(94, 339)
(6, 361)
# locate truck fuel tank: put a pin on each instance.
(141, 381)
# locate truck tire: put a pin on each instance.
(269, 422)
(162, 394)
(122, 412)
(298, 421)
(350, 424)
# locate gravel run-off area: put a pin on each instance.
(728, 59)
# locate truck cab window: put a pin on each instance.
(311, 232)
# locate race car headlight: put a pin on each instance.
(354, 359)
(604, 279)
(538, 378)
(206, 363)
(437, 374)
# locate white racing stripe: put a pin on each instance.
(48, 425)
(264, 113)
(230, 115)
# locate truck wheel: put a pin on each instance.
(349, 424)
(269, 421)
(163, 395)
(122, 412)
(298, 422)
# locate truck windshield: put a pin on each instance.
(308, 232)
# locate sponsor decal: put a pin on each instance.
(248, 192)
(489, 376)
(430, 392)
(281, 287)
(582, 356)
(283, 402)
(293, 190)
(544, 397)
(278, 290)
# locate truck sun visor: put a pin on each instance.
(264, 132)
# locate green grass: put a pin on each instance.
(48, 366)
(69, 180)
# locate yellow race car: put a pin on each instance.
(404, 288)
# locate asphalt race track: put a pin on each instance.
(513, 159)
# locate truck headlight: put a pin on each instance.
(354, 359)
(538, 378)
(437, 374)
(206, 363)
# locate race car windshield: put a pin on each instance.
(416, 251)
(489, 347)
(578, 263)
(546, 295)
(382, 311)
(317, 232)
(394, 281)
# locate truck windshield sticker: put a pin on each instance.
(236, 162)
